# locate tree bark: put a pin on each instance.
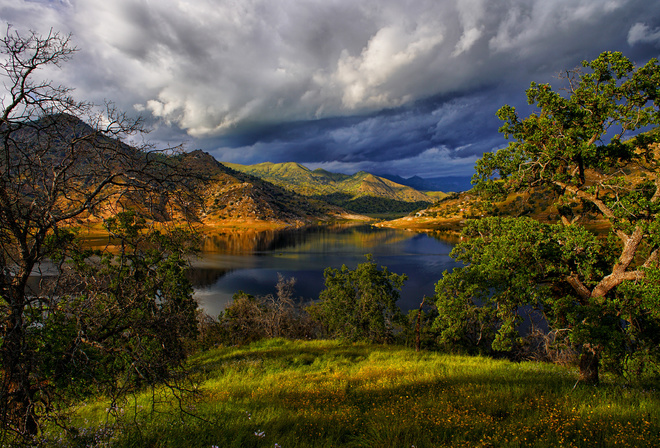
(589, 360)
(619, 271)
(16, 396)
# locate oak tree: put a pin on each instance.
(360, 304)
(582, 146)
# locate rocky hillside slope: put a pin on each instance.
(540, 203)
(230, 196)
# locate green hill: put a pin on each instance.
(361, 192)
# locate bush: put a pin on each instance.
(249, 318)
(360, 304)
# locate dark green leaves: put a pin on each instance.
(571, 133)
(598, 288)
(360, 304)
(514, 265)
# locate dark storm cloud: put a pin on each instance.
(385, 135)
(405, 87)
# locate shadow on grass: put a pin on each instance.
(326, 394)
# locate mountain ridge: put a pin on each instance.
(231, 196)
(188, 185)
(361, 192)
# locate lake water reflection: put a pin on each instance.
(250, 261)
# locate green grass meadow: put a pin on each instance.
(279, 393)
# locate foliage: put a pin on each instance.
(514, 266)
(111, 320)
(330, 394)
(238, 322)
(596, 289)
(125, 317)
(360, 304)
(108, 323)
(248, 318)
(371, 204)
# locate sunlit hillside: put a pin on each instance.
(361, 192)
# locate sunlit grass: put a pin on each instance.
(328, 394)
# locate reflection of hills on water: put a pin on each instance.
(308, 239)
(446, 237)
(235, 242)
(202, 277)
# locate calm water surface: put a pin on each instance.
(250, 261)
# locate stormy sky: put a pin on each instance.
(387, 86)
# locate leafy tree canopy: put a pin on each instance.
(360, 304)
(597, 289)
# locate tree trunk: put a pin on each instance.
(418, 330)
(16, 394)
(589, 360)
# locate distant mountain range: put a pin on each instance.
(361, 192)
(446, 184)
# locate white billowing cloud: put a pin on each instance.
(390, 51)
(471, 14)
(642, 33)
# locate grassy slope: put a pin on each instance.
(326, 394)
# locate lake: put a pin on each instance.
(250, 261)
